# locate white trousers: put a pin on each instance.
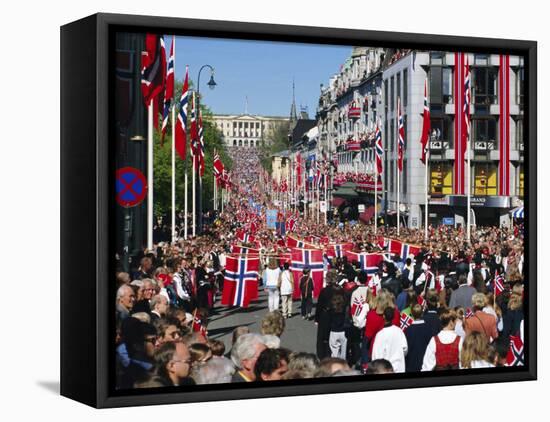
(273, 299)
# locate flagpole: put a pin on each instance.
(325, 195)
(186, 194)
(174, 148)
(469, 205)
(150, 175)
(215, 189)
(398, 171)
(194, 229)
(426, 198)
(375, 195)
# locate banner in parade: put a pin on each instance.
(271, 219)
(311, 259)
(241, 281)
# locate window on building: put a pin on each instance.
(240, 142)
(392, 95)
(246, 142)
(234, 142)
(519, 134)
(398, 87)
(485, 86)
(240, 125)
(441, 179)
(442, 129)
(405, 87)
(520, 86)
(485, 179)
(485, 130)
(521, 178)
(441, 88)
(386, 94)
(436, 58)
(392, 134)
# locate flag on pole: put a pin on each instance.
(194, 135)
(168, 92)
(201, 146)
(153, 72)
(405, 321)
(218, 169)
(466, 108)
(401, 136)
(181, 124)
(241, 281)
(426, 125)
(379, 149)
(498, 287)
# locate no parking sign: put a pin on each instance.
(131, 187)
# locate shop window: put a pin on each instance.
(441, 179)
(485, 179)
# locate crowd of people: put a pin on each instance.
(453, 305)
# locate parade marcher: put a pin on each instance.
(390, 342)
(286, 287)
(443, 351)
(306, 294)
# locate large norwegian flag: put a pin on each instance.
(293, 242)
(379, 149)
(181, 124)
(153, 72)
(401, 136)
(168, 92)
(426, 125)
(368, 262)
(515, 355)
(396, 247)
(338, 250)
(307, 258)
(241, 281)
(245, 237)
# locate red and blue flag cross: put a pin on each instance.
(307, 263)
(240, 277)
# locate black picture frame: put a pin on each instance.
(86, 192)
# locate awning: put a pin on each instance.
(517, 212)
(336, 201)
(367, 215)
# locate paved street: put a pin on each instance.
(299, 335)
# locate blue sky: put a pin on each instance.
(262, 71)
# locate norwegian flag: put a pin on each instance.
(245, 237)
(244, 250)
(299, 170)
(498, 287)
(426, 126)
(401, 136)
(198, 324)
(515, 356)
(405, 321)
(379, 149)
(153, 72)
(382, 242)
(168, 91)
(468, 313)
(396, 247)
(218, 169)
(241, 281)
(284, 257)
(292, 242)
(466, 108)
(307, 258)
(201, 146)
(194, 135)
(357, 306)
(338, 250)
(181, 124)
(368, 262)
(283, 187)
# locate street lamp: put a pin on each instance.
(211, 84)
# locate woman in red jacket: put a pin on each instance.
(375, 319)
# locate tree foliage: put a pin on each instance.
(277, 142)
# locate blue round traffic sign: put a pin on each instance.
(131, 187)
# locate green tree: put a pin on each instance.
(277, 141)
(163, 163)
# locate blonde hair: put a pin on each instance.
(383, 300)
(475, 347)
(479, 301)
(273, 323)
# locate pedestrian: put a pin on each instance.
(271, 279)
(306, 294)
(337, 324)
(390, 343)
(444, 349)
(418, 336)
(286, 287)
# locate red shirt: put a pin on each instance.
(375, 323)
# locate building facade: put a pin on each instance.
(246, 130)
(365, 93)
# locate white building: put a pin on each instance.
(246, 130)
